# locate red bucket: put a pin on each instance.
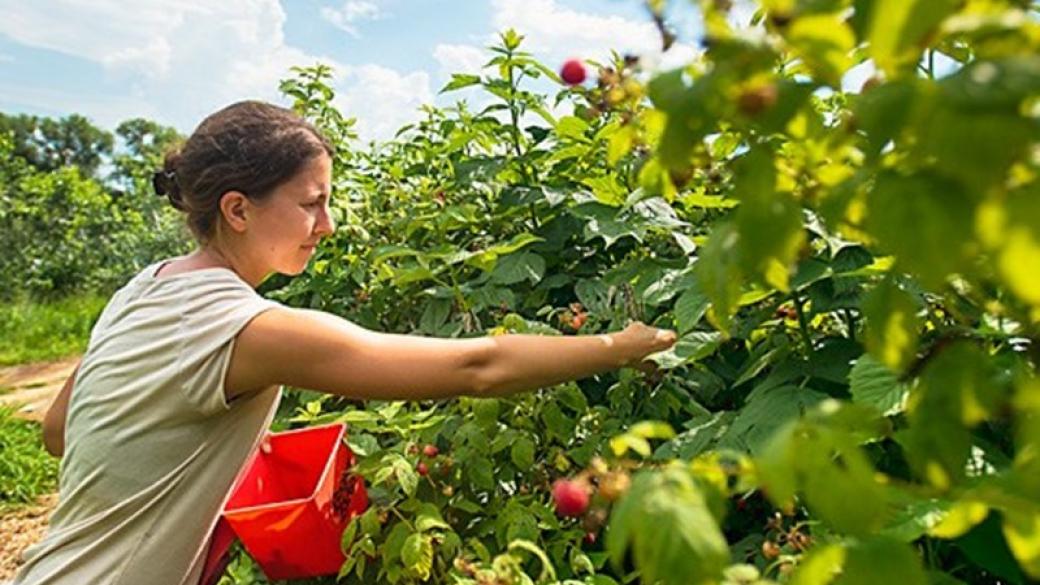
(291, 505)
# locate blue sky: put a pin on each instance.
(175, 61)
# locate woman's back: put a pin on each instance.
(152, 445)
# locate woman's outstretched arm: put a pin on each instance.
(319, 351)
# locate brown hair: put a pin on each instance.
(250, 146)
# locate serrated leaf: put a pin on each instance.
(518, 267)
(1022, 532)
(689, 348)
(690, 308)
(824, 42)
(459, 81)
(820, 565)
(879, 560)
(522, 453)
(922, 219)
(428, 518)
(892, 325)
(417, 555)
(873, 384)
(898, 28)
(481, 473)
(761, 417)
(673, 537)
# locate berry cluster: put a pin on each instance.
(344, 490)
(574, 317)
(617, 88)
(589, 494)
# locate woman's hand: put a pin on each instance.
(643, 341)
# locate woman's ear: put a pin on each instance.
(233, 205)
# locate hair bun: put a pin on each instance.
(165, 184)
(161, 182)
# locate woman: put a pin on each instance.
(185, 366)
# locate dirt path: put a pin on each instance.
(19, 530)
(30, 388)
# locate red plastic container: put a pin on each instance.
(282, 510)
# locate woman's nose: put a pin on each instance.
(326, 225)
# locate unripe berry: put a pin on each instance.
(613, 485)
(573, 72)
(571, 497)
(578, 321)
(754, 101)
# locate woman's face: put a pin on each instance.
(286, 227)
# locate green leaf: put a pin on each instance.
(517, 267)
(572, 127)
(719, 273)
(603, 221)
(820, 565)
(594, 295)
(1013, 228)
(690, 308)
(459, 81)
(900, 27)
(674, 539)
(873, 384)
(417, 555)
(762, 416)
(884, 111)
(892, 325)
(769, 222)
(522, 453)
(481, 473)
(666, 284)
(957, 390)
(1022, 532)
(347, 539)
(698, 438)
(824, 42)
(923, 220)
(691, 347)
(620, 143)
(435, 315)
(986, 547)
(820, 457)
(880, 560)
(406, 476)
(429, 518)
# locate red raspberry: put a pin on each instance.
(578, 321)
(422, 468)
(571, 497)
(573, 72)
(430, 450)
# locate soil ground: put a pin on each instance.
(30, 388)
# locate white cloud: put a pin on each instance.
(460, 59)
(352, 11)
(382, 99)
(184, 59)
(554, 32)
(553, 29)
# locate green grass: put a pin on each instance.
(27, 470)
(45, 330)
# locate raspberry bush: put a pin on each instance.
(853, 398)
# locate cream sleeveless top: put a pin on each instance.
(152, 446)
